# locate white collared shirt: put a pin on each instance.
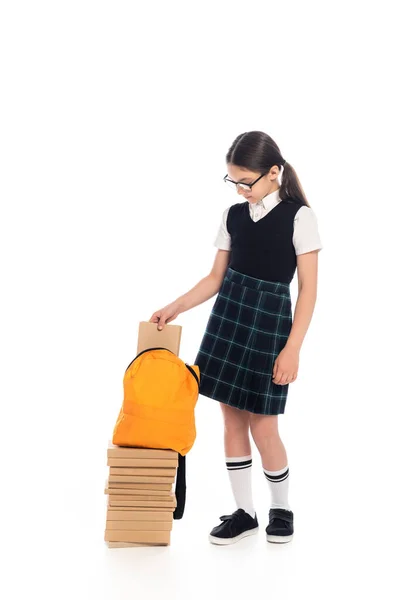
(305, 227)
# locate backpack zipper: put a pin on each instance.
(193, 372)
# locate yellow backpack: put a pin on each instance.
(160, 395)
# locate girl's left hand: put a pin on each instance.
(286, 366)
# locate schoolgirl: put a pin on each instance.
(249, 353)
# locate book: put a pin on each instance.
(142, 492)
(139, 525)
(139, 479)
(142, 503)
(160, 487)
(150, 337)
(125, 452)
(133, 514)
(138, 508)
(159, 537)
(159, 500)
(152, 463)
(150, 472)
(131, 544)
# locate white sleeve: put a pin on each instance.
(305, 231)
(223, 239)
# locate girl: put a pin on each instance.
(250, 349)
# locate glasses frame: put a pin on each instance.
(245, 186)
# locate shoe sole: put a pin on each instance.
(279, 539)
(226, 541)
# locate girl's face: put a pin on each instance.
(265, 185)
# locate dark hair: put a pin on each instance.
(257, 151)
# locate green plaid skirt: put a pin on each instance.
(248, 326)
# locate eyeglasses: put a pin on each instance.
(244, 186)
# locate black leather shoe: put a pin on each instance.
(280, 528)
(234, 527)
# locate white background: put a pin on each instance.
(115, 121)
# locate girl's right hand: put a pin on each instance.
(166, 314)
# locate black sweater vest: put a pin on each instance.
(264, 248)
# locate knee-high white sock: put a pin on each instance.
(240, 472)
(279, 486)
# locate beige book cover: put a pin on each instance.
(142, 453)
(139, 525)
(160, 487)
(133, 493)
(139, 479)
(134, 514)
(163, 537)
(149, 463)
(143, 509)
(114, 470)
(143, 503)
(150, 337)
(131, 545)
(137, 508)
(165, 500)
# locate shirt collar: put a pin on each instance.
(268, 201)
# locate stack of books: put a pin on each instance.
(141, 500)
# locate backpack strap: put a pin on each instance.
(180, 487)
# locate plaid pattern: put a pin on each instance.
(248, 326)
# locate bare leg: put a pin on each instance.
(236, 431)
(264, 430)
(238, 456)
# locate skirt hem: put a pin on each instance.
(254, 412)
